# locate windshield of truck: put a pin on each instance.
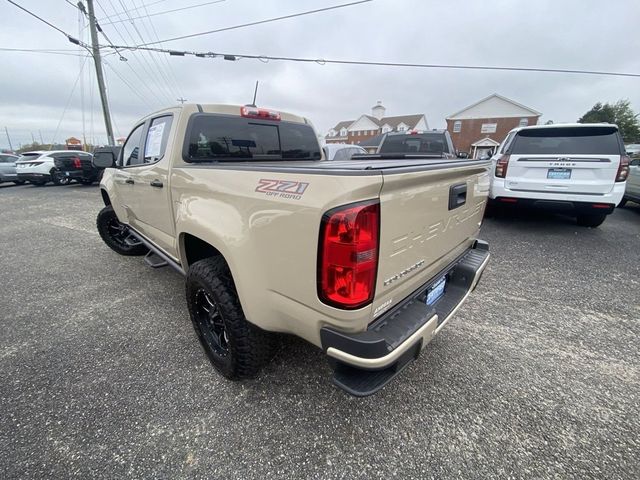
(422, 143)
(567, 141)
(227, 138)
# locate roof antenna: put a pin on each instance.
(255, 94)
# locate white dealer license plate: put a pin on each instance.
(436, 291)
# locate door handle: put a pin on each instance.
(129, 181)
(156, 183)
(457, 195)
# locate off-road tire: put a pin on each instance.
(591, 219)
(248, 347)
(108, 224)
(622, 203)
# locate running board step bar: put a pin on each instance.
(154, 260)
(132, 241)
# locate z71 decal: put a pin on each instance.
(282, 188)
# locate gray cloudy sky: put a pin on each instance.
(574, 34)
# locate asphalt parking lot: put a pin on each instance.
(102, 375)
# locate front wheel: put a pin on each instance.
(114, 233)
(236, 348)
(591, 219)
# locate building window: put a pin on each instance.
(343, 132)
(524, 122)
(457, 126)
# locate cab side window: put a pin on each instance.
(157, 137)
(131, 151)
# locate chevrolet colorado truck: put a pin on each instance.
(367, 259)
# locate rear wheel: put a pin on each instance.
(59, 179)
(591, 219)
(86, 181)
(19, 182)
(114, 233)
(236, 348)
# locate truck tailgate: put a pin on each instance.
(428, 218)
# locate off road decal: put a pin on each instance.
(282, 188)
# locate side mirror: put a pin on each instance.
(103, 158)
(462, 155)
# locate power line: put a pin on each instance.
(73, 89)
(41, 19)
(143, 62)
(259, 22)
(151, 55)
(323, 61)
(131, 87)
(163, 57)
(106, 17)
(163, 12)
(80, 7)
(71, 53)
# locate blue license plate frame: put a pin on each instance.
(436, 291)
(559, 174)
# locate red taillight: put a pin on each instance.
(601, 205)
(623, 169)
(501, 166)
(348, 255)
(76, 162)
(252, 112)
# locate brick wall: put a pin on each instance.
(471, 130)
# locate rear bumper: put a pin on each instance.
(73, 174)
(557, 201)
(365, 362)
(34, 177)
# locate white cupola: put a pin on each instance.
(378, 110)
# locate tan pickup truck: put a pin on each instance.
(366, 258)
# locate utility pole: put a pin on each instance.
(181, 100)
(96, 59)
(8, 138)
(41, 140)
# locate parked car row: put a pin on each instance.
(59, 167)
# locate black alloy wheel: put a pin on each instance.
(209, 321)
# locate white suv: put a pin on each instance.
(579, 169)
(39, 167)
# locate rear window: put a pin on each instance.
(226, 138)
(567, 141)
(30, 156)
(426, 143)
